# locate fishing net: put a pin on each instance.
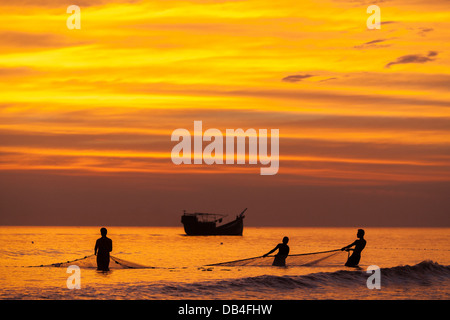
(91, 262)
(323, 258)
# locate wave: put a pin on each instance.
(425, 280)
(424, 273)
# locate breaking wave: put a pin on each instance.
(425, 280)
(424, 273)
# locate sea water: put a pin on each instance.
(414, 264)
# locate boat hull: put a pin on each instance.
(195, 228)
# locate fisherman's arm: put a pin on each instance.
(347, 247)
(273, 250)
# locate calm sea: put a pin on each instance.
(415, 264)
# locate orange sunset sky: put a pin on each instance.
(86, 115)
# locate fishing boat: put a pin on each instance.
(209, 224)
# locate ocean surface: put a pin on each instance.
(414, 264)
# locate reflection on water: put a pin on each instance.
(180, 261)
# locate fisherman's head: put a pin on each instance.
(360, 233)
(285, 240)
(103, 232)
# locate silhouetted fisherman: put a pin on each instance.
(103, 247)
(283, 252)
(359, 244)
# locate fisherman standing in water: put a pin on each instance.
(103, 247)
(359, 244)
(283, 251)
